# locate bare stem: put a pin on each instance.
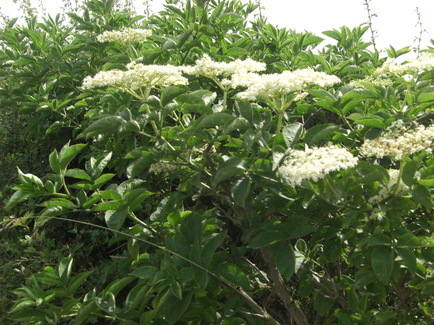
(294, 313)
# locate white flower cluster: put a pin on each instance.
(423, 63)
(395, 186)
(126, 35)
(399, 140)
(137, 76)
(315, 163)
(278, 84)
(209, 68)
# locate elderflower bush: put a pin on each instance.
(219, 165)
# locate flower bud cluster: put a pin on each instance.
(362, 83)
(423, 63)
(162, 167)
(399, 140)
(279, 84)
(126, 35)
(314, 163)
(137, 76)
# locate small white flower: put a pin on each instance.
(314, 163)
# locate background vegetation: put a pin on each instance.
(169, 210)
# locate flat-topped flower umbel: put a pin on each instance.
(314, 163)
(126, 35)
(280, 84)
(423, 63)
(138, 76)
(399, 140)
(209, 68)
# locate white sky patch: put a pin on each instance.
(395, 23)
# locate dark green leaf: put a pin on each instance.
(423, 196)
(215, 119)
(408, 171)
(115, 219)
(320, 132)
(68, 153)
(108, 124)
(382, 260)
(78, 174)
(240, 191)
(169, 93)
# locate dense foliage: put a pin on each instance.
(212, 193)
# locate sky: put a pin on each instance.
(395, 21)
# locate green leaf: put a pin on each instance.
(408, 171)
(322, 304)
(135, 197)
(382, 260)
(108, 124)
(267, 238)
(145, 272)
(240, 191)
(65, 268)
(54, 161)
(182, 38)
(408, 258)
(109, 205)
(77, 281)
(58, 202)
(427, 287)
(428, 182)
(103, 179)
(166, 205)
(284, 257)
(215, 119)
(176, 289)
(425, 97)
(107, 303)
(96, 167)
(291, 133)
(211, 246)
(17, 197)
(169, 93)
(116, 286)
(320, 132)
(68, 153)
(370, 120)
(226, 173)
(78, 174)
(29, 179)
(171, 308)
(423, 196)
(115, 219)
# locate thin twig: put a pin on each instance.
(371, 15)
